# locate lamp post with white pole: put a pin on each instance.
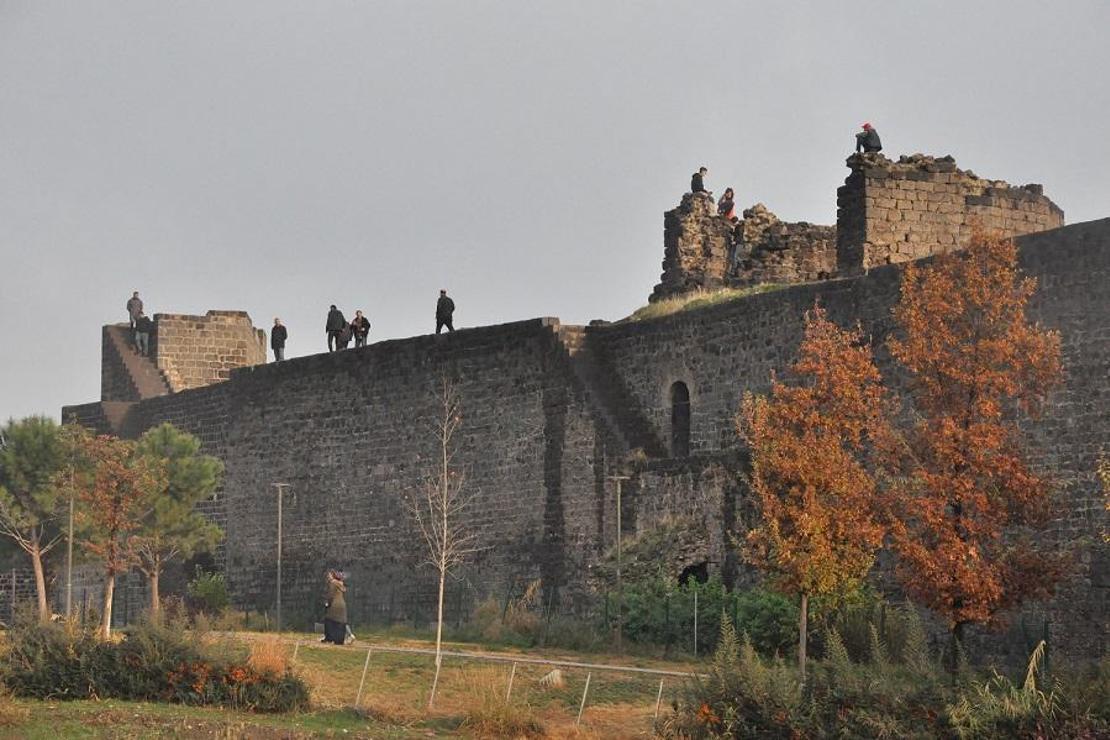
(280, 488)
(620, 587)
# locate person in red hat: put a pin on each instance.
(867, 141)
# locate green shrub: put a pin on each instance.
(660, 612)
(742, 695)
(208, 592)
(155, 662)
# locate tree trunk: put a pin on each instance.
(155, 597)
(106, 614)
(40, 583)
(803, 617)
(439, 632)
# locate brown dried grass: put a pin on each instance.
(268, 655)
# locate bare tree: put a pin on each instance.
(438, 506)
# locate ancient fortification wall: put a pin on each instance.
(194, 351)
(722, 351)
(890, 212)
(551, 412)
(887, 212)
(352, 433)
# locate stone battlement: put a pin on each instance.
(890, 212)
(195, 351)
(887, 212)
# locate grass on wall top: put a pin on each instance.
(698, 299)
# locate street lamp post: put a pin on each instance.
(620, 587)
(280, 488)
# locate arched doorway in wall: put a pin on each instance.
(680, 420)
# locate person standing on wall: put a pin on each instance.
(445, 310)
(360, 327)
(697, 181)
(278, 335)
(144, 327)
(335, 608)
(867, 141)
(134, 309)
(334, 327)
(726, 206)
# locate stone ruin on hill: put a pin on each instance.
(887, 212)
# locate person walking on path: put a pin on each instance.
(867, 141)
(360, 327)
(134, 309)
(278, 335)
(334, 327)
(697, 181)
(144, 327)
(445, 310)
(335, 608)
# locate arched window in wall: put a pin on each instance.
(680, 420)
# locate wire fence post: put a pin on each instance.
(582, 706)
(658, 700)
(296, 647)
(509, 691)
(362, 681)
(695, 621)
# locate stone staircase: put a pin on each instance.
(146, 379)
(611, 401)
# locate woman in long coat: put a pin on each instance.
(335, 615)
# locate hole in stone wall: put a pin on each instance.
(680, 420)
(698, 572)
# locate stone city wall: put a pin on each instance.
(351, 432)
(194, 351)
(721, 351)
(889, 212)
(768, 250)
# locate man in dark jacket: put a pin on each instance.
(134, 308)
(697, 182)
(335, 326)
(144, 327)
(445, 309)
(867, 141)
(360, 327)
(278, 335)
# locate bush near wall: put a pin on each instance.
(153, 663)
(745, 695)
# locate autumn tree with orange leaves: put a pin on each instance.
(967, 503)
(115, 488)
(810, 444)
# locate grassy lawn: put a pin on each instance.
(469, 700)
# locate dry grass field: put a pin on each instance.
(470, 701)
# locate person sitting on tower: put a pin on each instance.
(867, 141)
(697, 181)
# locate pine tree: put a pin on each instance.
(32, 461)
(173, 527)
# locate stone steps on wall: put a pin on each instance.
(613, 403)
(145, 376)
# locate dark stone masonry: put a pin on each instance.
(550, 411)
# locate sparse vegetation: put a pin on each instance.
(698, 299)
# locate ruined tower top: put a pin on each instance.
(887, 212)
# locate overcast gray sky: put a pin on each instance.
(280, 156)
